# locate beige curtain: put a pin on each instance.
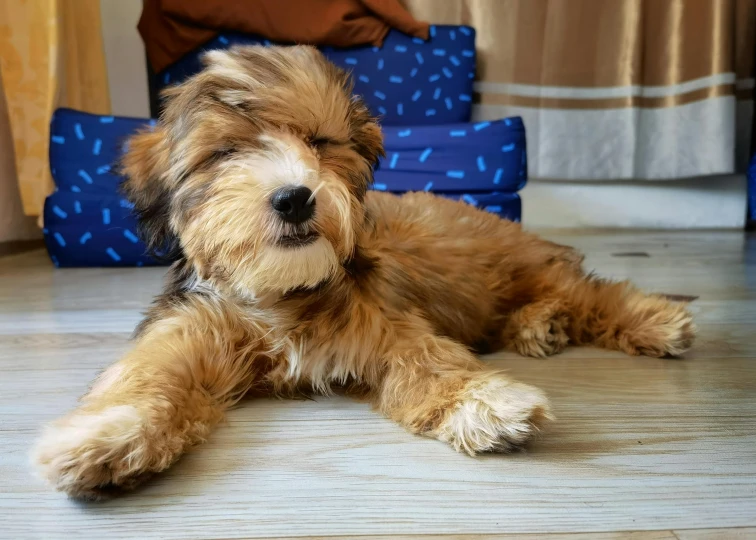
(51, 55)
(615, 89)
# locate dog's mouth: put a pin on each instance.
(298, 239)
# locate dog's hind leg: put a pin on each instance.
(435, 387)
(616, 315)
(144, 411)
(584, 310)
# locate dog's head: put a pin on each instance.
(257, 170)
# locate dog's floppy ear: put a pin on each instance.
(145, 166)
(369, 139)
(366, 133)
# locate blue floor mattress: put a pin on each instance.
(88, 223)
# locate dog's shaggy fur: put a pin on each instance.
(382, 295)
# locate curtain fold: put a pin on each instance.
(621, 89)
(14, 225)
(51, 55)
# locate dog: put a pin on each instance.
(291, 277)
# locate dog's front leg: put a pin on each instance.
(435, 387)
(144, 411)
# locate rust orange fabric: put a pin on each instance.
(172, 28)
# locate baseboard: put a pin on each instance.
(20, 246)
(716, 202)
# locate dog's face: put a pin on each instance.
(257, 170)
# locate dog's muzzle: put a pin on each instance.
(295, 205)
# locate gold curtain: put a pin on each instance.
(615, 89)
(51, 55)
(14, 225)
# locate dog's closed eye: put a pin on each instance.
(224, 152)
(319, 143)
(219, 154)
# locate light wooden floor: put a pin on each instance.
(640, 445)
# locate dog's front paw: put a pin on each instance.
(88, 456)
(494, 414)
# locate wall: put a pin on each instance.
(124, 54)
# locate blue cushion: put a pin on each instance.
(87, 223)
(95, 230)
(83, 229)
(84, 147)
(487, 156)
(407, 81)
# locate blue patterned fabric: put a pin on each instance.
(481, 157)
(84, 147)
(87, 223)
(82, 229)
(407, 81)
(93, 230)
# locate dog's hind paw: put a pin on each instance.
(538, 329)
(494, 414)
(660, 328)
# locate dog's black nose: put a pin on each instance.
(291, 203)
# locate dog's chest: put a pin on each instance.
(325, 350)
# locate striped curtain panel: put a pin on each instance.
(616, 89)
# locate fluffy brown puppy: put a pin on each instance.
(292, 277)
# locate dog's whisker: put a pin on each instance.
(315, 192)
